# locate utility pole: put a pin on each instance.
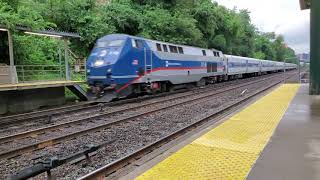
(284, 70)
(299, 71)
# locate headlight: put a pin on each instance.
(109, 70)
(98, 63)
(88, 70)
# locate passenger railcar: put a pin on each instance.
(122, 65)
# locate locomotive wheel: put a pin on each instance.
(202, 82)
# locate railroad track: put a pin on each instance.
(131, 158)
(53, 141)
(13, 140)
(49, 114)
(49, 122)
(44, 114)
(59, 111)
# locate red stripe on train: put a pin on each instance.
(158, 69)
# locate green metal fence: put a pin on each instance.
(32, 73)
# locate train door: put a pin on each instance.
(247, 66)
(137, 55)
(226, 65)
(260, 67)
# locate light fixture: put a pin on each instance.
(98, 63)
(2, 29)
(41, 34)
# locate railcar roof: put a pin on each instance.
(240, 57)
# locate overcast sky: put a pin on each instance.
(280, 16)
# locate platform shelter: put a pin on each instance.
(20, 92)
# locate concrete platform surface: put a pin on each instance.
(37, 85)
(294, 150)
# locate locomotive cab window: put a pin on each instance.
(159, 47)
(173, 49)
(180, 50)
(137, 43)
(165, 48)
(114, 43)
(204, 52)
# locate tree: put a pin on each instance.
(201, 23)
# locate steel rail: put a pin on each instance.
(41, 114)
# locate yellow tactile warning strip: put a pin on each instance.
(229, 150)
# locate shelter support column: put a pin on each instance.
(66, 56)
(315, 48)
(11, 71)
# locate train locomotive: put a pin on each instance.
(121, 66)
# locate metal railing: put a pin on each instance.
(32, 73)
(78, 72)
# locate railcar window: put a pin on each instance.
(204, 52)
(212, 67)
(165, 48)
(180, 50)
(214, 53)
(159, 47)
(173, 49)
(218, 54)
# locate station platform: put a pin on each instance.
(294, 150)
(26, 97)
(37, 85)
(276, 137)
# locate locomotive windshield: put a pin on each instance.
(113, 43)
(105, 52)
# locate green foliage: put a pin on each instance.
(81, 16)
(201, 23)
(122, 17)
(35, 50)
(22, 12)
(176, 28)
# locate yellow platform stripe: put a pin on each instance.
(229, 150)
(40, 83)
(35, 85)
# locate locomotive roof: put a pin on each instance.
(123, 36)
